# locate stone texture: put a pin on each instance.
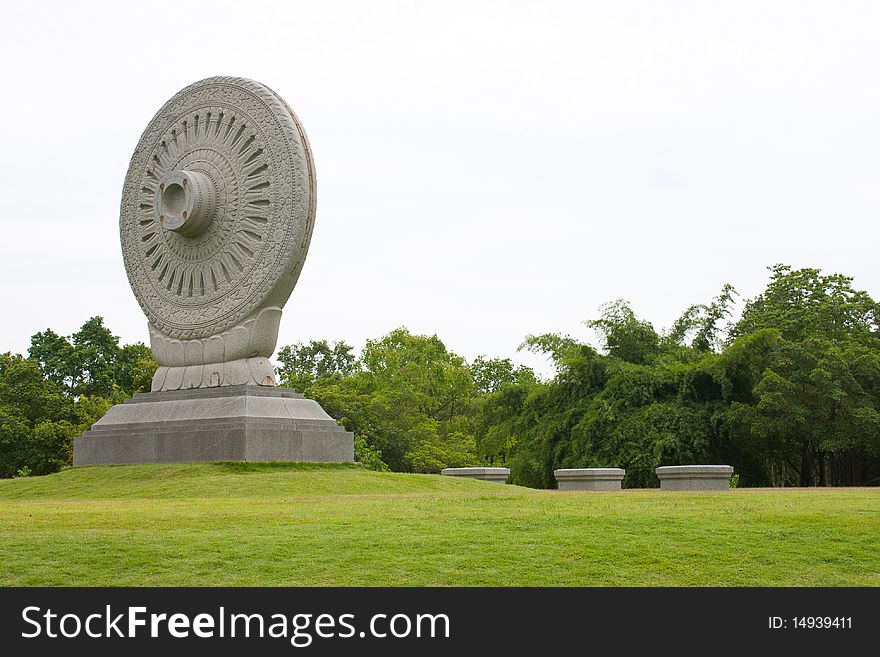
(596, 479)
(235, 423)
(694, 477)
(497, 475)
(217, 214)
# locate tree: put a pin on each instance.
(505, 391)
(648, 402)
(304, 364)
(624, 335)
(812, 410)
(491, 374)
(91, 363)
(411, 403)
(64, 386)
(557, 347)
(805, 303)
(702, 323)
(422, 396)
(37, 421)
(407, 398)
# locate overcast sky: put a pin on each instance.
(485, 170)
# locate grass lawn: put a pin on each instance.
(298, 525)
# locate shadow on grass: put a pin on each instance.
(245, 467)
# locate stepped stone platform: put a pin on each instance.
(694, 477)
(497, 475)
(589, 478)
(232, 423)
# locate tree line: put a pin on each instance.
(788, 393)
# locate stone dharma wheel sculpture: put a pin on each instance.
(217, 214)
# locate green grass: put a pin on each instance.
(296, 524)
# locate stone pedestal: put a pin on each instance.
(694, 477)
(498, 475)
(589, 478)
(233, 423)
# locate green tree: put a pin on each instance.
(92, 363)
(63, 387)
(804, 303)
(422, 398)
(649, 401)
(553, 345)
(624, 335)
(491, 374)
(700, 325)
(37, 421)
(301, 365)
(812, 408)
(409, 401)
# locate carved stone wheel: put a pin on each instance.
(218, 208)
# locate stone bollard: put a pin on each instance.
(589, 478)
(497, 475)
(694, 477)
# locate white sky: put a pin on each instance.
(485, 170)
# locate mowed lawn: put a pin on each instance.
(302, 525)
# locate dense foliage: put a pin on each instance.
(789, 394)
(63, 387)
(410, 401)
(790, 398)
